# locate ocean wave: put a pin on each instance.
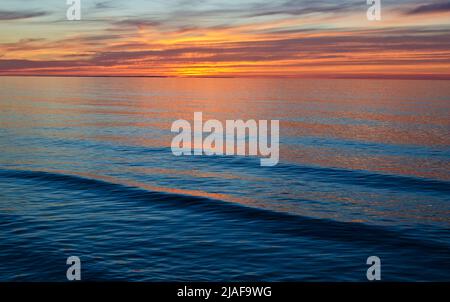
(369, 179)
(276, 222)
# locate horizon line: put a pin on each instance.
(443, 77)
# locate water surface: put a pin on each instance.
(86, 169)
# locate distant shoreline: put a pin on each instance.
(346, 77)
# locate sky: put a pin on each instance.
(226, 38)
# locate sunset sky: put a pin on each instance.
(226, 38)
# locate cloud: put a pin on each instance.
(409, 46)
(296, 8)
(240, 38)
(29, 64)
(431, 8)
(12, 15)
(104, 5)
(136, 23)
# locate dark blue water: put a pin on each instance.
(86, 170)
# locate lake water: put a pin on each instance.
(86, 170)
